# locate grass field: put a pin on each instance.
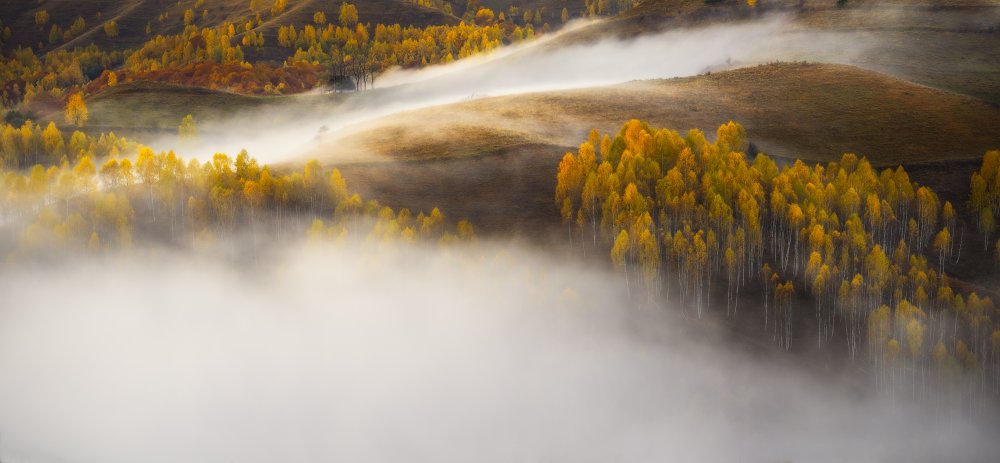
(149, 107)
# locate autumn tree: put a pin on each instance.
(278, 7)
(76, 110)
(187, 130)
(41, 18)
(619, 254)
(484, 16)
(348, 15)
(111, 29)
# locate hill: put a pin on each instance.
(166, 17)
(810, 111)
(853, 14)
(301, 13)
(961, 37)
(158, 107)
(500, 173)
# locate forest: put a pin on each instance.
(102, 200)
(215, 56)
(867, 248)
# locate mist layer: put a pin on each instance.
(408, 355)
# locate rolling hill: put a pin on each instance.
(960, 37)
(159, 107)
(810, 111)
(497, 166)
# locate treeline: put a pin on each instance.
(194, 45)
(216, 57)
(26, 78)
(360, 52)
(540, 17)
(30, 145)
(680, 214)
(256, 79)
(161, 198)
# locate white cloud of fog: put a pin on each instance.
(406, 356)
(543, 65)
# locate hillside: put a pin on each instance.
(854, 14)
(158, 107)
(166, 17)
(810, 111)
(301, 13)
(496, 166)
(961, 37)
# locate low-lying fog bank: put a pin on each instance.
(407, 354)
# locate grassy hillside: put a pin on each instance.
(816, 11)
(500, 160)
(369, 11)
(166, 17)
(967, 63)
(20, 17)
(132, 17)
(960, 37)
(811, 111)
(139, 107)
(550, 9)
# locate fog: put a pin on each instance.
(375, 354)
(552, 62)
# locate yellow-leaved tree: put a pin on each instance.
(348, 15)
(188, 130)
(76, 110)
